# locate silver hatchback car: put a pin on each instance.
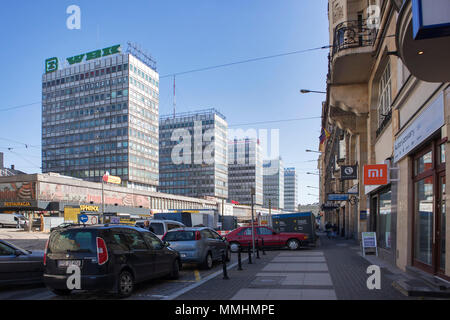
(201, 245)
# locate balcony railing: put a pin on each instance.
(353, 34)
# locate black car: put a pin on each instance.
(20, 266)
(111, 258)
(63, 226)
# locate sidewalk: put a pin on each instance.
(24, 239)
(332, 271)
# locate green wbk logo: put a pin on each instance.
(51, 65)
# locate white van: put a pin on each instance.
(160, 227)
(10, 220)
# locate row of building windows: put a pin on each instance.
(85, 112)
(85, 149)
(117, 133)
(144, 75)
(83, 76)
(96, 173)
(146, 101)
(144, 149)
(144, 174)
(85, 124)
(186, 124)
(91, 99)
(143, 87)
(84, 161)
(144, 112)
(143, 124)
(143, 162)
(86, 87)
(143, 136)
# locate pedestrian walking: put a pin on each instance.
(334, 228)
(328, 229)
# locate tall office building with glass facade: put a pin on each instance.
(193, 154)
(245, 171)
(100, 113)
(273, 183)
(290, 189)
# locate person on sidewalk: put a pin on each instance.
(328, 230)
(335, 229)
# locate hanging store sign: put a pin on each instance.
(375, 174)
(427, 123)
(431, 18)
(51, 65)
(349, 172)
(112, 179)
(338, 197)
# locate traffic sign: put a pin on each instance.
(83, 218)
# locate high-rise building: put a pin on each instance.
(193, 154)
(100, 113)
(290, 189)
(245, 171)
(273, 183)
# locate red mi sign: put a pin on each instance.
(376, 174)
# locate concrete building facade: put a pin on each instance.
(245, 171)
(273, 184)
(101, 115)
(290, 189)
(388, 101)
(193, 154)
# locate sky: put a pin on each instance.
(180, 35)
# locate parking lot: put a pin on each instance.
(159, 289)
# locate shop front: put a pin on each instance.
(421, 150)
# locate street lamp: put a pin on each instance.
(311, 91)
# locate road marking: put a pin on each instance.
(197, 275)
(181, 281)
(175, 295)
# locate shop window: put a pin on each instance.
(424, 163)
(424, 220)
(384, 220)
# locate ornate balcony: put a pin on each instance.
(351, 56)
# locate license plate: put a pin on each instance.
(67, 263)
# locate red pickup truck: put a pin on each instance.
(243, 237)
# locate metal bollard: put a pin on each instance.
(239, 259)
(224, 264)
(263, 250)
(249, 255)
(257, 249)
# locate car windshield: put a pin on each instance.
(158, 228)
(180, 236)
(73, 241)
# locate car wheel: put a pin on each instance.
(293, 244)
(125, 284)
(61, 292)
(208, 264)
(234, 246)
(175, 273)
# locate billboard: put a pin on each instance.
(18, 191)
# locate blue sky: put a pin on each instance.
(180, 35)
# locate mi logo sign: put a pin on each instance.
(376, 174)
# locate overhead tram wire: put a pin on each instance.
(273, 121)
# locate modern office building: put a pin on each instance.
(193, 154)
(245, 171)
(100, 113)
(273, 184)
(290, 189)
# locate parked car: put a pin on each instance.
(201, 245)
(10, 220)
(111, 257)
(20, 266)
(242, 237)
(160, 227)
(63, 226)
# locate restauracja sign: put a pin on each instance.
(51, 64)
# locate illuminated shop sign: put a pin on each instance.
(17, 204)
(431, 18)
(51, 65)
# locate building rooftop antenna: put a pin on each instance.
(136, 50)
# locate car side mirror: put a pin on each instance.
(17, 252)
(166, 244)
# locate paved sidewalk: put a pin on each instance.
(333, 271)
(24, 239)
